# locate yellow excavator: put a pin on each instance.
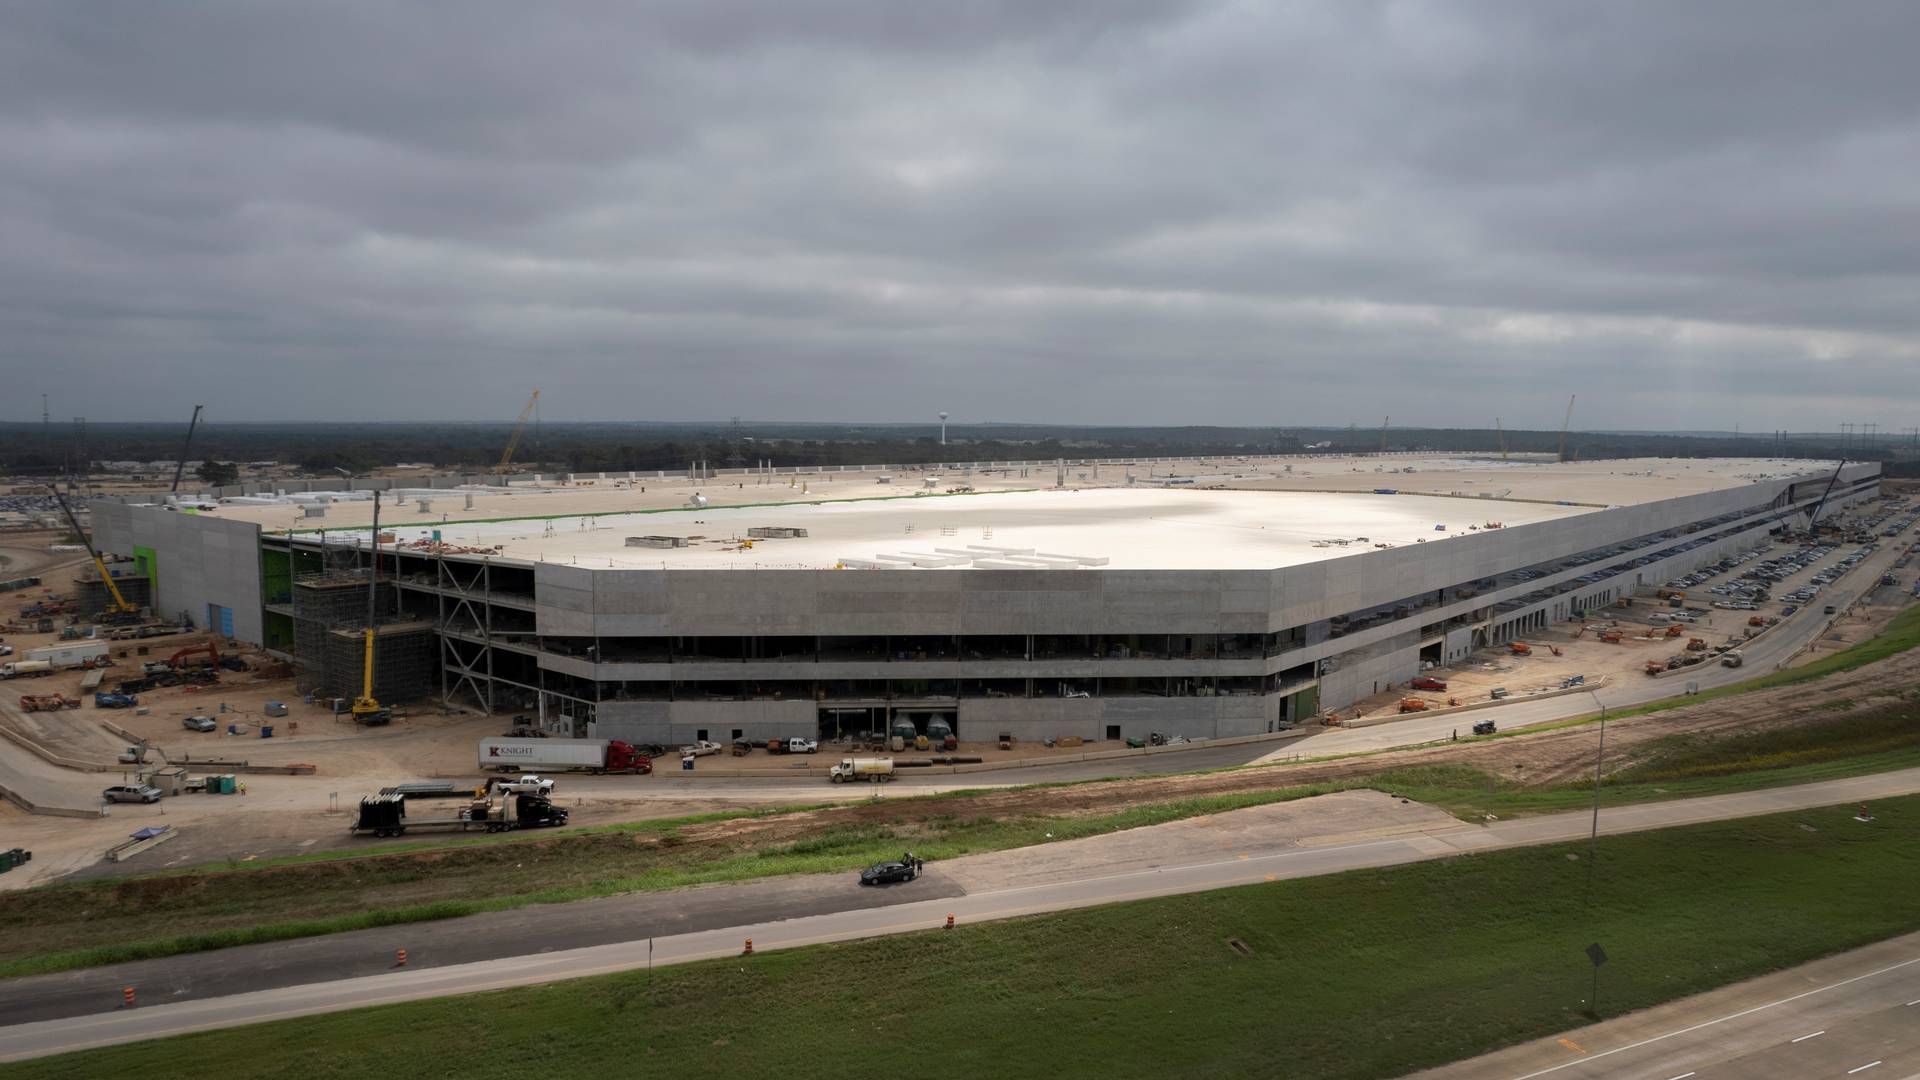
(118, 609)
(366, 708)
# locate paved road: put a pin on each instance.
(1855, 1014)
(196, 1004)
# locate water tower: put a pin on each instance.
(943, 429)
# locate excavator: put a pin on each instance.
(118, 610)
(366, 708)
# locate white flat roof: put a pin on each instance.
(1122, 528)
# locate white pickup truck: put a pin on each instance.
(700, 748)
(524, 785)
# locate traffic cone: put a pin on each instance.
(748, 951)
(126, 996)
(399, 958)
(949, 920)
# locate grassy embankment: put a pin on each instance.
(99, 922)
(1365, 974)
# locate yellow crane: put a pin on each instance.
(118, 607)
(519, 429)
(1497, 427)
(366, 707)
(1563, 426)
(1383, 433)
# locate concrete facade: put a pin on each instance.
(198, 561)
(664, 655)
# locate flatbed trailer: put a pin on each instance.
(386, 815)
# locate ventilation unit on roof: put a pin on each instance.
(657, 541)
(775, 532)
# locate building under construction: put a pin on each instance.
(328, 615)
(1207, 599)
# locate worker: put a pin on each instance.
(243, 787)
(1456, 735)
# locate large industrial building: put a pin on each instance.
(1216, 600)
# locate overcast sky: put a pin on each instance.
(1691, 214)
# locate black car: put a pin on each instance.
(1484, 727)
(903, 869)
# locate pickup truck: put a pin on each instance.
(525, 785)
(700, 748)
(794, 746)
(114, 701)
(1428, 682)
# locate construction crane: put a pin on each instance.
(366, 707)
(1502, 432)
(519, 429)
(1383, 433)
(1813, 516)
(181, 465)
(1564, 424)
(118, 609)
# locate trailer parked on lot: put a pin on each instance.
(67, 656)
(25, 669)
(562, 755)
(386, 815)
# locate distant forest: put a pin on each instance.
(32, 450)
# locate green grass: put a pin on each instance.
(87, 924)
(1899, 635)
(1365, 974)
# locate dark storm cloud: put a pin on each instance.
(1693, 215)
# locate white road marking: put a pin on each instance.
(1862, 1068)
(1721, 1020)
(1682, 1076)
(1803, 1038)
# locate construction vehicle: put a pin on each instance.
(1413, 704)
(181, 465)
(366, 708)
(1655, 667)
(118, 610)
(555, 755)
(26, 669)
(1696, 644)
(1520, 648)
(47, 702)
(1674, 631)
(1611, 637)
(519, 428)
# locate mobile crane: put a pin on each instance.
(366, 707)
(519, 429)
(119, 610)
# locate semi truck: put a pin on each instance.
(386, 815)
(67, 656)
(562, 755)
(872, 770)
(25, 669)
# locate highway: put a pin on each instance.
(106, 1023)
(1854, 1014)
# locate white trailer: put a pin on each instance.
(67, 656)
(872, 769)
(561, 755)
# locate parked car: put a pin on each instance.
(1428, 682)
(905, 868)
(199, 723)
(802, 746)
(135, 793)
(1484, 727)
(700, 748)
